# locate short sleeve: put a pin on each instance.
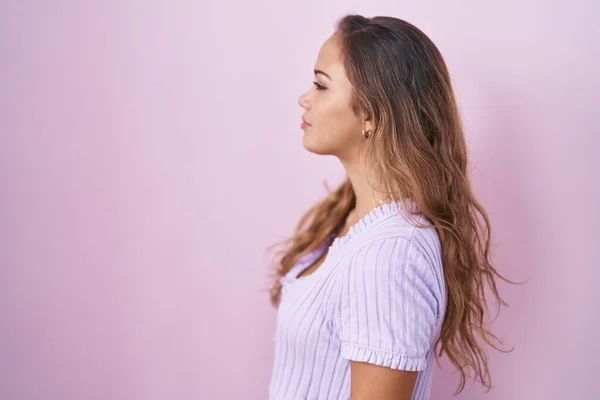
(389, 306)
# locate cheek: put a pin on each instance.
(335, 119)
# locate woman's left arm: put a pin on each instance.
(370, 381)
(388, 318)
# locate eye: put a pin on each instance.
(318, 86)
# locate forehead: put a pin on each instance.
(329, 58)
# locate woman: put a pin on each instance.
(392, 265)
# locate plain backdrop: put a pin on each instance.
(150, 151)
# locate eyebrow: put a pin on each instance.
(318, 71)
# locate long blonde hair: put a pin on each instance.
(402, 84)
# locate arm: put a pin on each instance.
(389, 315)
(370, 382)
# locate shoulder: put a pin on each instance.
(398, 249)
(393, 296)
(412, 235)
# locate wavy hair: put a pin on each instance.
(401, 82)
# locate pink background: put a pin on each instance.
(150, 151)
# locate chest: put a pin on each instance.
(309, 308)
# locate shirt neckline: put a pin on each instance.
(334, 244)
(365, 222)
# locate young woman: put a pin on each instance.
(388, 271)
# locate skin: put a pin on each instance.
(336, 130)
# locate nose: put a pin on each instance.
(303, 101)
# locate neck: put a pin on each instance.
(367, 189)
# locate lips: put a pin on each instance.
(304, 124)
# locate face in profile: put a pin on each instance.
(331, 127)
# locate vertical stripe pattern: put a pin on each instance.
(379, 297)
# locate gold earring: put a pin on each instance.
(366, 134)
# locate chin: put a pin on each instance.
(315, 146)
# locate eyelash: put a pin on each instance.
(318, 86)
